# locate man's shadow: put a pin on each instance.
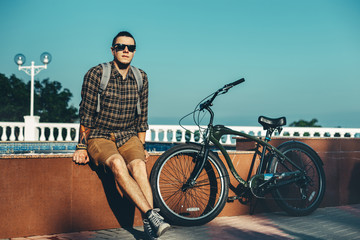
(121, 206)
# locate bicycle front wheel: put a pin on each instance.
(198, 204)
(304, 196)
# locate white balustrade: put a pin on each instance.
(14, 131)
(55, 131)
(320, 132)
(160, 133)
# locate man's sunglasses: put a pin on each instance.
(121, 47)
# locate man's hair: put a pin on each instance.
(122, 34)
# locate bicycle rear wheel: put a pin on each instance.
(196, 205)
(304, 196)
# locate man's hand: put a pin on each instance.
(81, 156)
(147, 155)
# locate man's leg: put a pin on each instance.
(133, 152)
(122, 176)
(152, 219)
(137, 169)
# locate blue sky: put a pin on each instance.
(300, 59)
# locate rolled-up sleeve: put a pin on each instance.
(89, 93)
(142, 124)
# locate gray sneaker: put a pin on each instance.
(148, 230)
(157, 222)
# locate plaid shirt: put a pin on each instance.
(118, 101)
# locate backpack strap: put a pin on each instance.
(139, 82)
(104, 81)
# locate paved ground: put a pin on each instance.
(325, 223)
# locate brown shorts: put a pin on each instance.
(100, 149)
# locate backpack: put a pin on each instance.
(105, 79)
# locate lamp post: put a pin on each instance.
(31, 122)
(32, 71)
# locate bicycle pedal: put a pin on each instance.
(232, 199)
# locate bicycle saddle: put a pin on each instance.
(268, 123)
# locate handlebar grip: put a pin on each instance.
(237, 82)
(230, 85)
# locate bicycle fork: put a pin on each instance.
(199, 165)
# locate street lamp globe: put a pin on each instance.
(45, 58)
(19, 59)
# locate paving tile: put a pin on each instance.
(335, 223)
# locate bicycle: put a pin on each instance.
(190, 183)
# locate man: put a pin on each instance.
(114, 136)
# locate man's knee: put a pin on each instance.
(117, 164)
(137, 166)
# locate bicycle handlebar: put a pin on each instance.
(224, 89)
(230, 85)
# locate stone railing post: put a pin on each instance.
(31, 130)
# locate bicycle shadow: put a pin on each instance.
(256, 205)
(122, 208)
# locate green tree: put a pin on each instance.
(51, 102)
(303, 123)
(14, 98)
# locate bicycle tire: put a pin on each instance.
(197, 205)
(288, 197)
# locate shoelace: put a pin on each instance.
(155, 217)
(157, 210)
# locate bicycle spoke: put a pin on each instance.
(304, 195)
(195, 201)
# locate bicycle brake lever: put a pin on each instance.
(223, 91)
(204, 105)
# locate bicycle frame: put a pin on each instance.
(218, 131)
(214, 134)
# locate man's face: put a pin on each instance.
(124, 56)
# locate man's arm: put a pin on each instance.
(80, 155)
(87, 110)
(83, 136)
(142, 119)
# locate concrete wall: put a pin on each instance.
(44, 194)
